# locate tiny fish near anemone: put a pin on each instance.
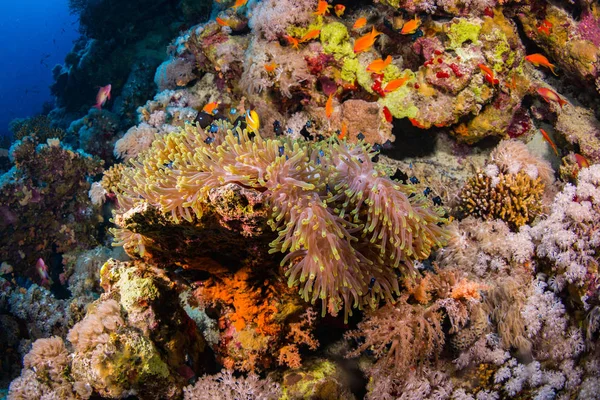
(252, 121)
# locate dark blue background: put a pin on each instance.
(30, 30)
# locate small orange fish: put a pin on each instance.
(395, 84)
(329, 106)
(293, 41)
(310, 35)
(270, 67)
(538, 59)
(581, 161)
(239, 3)
(210, 108)
(489, 74)
(344, 131)
(545, 27)
(549, 140)
(339, 9)
(222, 22)
(411, 26)
(322, 8)
(365, 42)
(102, 96)
(379, 65)
(361, 22)
(550, 96)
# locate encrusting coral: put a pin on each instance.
(323, 192)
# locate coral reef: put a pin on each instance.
(44, 203)
(381, 199)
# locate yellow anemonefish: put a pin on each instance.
(361, 22)
(550, 96)
(270, 67)
(379, 65)
(365, 42)
(411, 26)
(339, 9)
(322, 8)
(102, 96)
(538, 59)
(329, 106)
(210, 108)
(549, 140)
(252, 121)
(310, 35)
(395, 84)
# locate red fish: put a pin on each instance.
(387, 114)
(489, 74)
(102, 96)
(550, 96)
(550, 141)
(42, 270)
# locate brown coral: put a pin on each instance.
(515, 199)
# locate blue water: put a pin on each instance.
(36, 35)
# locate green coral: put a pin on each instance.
(135, 289)
(336, 40)
(462, 31)
(399, 102)
(318, 379)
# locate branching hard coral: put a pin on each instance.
(516, 199)
(400, 335)
(325, 192)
